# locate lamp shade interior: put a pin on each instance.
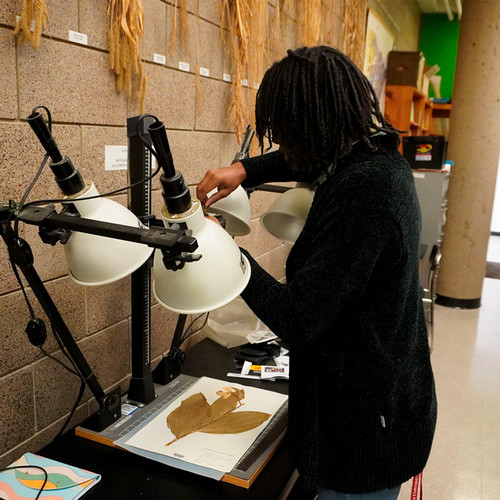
(286, 216)
(235, 208)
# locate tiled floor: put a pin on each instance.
(465, 459)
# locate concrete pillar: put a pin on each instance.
(473, 145)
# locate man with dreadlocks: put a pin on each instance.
(363, 413)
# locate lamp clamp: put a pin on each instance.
(149, 220)
(174, 260)
(53, 236)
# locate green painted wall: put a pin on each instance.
(438, 43)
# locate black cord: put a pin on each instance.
(21, 284)
(14, 235)
(73, 410)
(116, 191)
(187, 334)
(46, 476)
(141, 137)
(49, 116)
(110, 193)
(53, 358)
(74, 372)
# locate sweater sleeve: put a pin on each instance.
(270, 167)
(339, 262)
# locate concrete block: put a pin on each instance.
(155, 29)
(169, 96)
(107, 304)
(94, 142)
(16, 408)
(94, 22)
(213, 116)
(73, 81)
(8, 79)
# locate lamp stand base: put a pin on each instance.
(169, 367)
(109, 412)
(142, 389)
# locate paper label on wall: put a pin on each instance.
(227, 77)
(204, 71)
(183, 66)
(115, 157)
(81, 38)
(159, 58)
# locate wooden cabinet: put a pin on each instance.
(410, 111)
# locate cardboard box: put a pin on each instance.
(405, 68)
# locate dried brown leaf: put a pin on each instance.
(236, 422)
(226, 404)
(195, 415)
(192, 414)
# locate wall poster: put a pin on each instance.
(379, 42)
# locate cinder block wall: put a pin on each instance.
(74, 82)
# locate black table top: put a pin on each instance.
(127, 476)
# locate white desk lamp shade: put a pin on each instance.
(286, 216)
(235, 208)
(97, 260)
(218, 277)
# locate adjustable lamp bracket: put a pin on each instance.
(157, 237)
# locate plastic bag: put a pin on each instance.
(235, 324)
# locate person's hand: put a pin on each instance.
(225, 179)
(213, 219)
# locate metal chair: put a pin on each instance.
(430, 292)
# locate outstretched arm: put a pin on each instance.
(225, 179)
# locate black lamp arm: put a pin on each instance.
(20, 251)
(155, 236)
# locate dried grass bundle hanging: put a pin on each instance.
(235, 14)
(32, 12)
(354, 26)
(280, 26)
(197, 77)
(182, 27)
(309, 23)
(328, 22)
(126, 29)
(258, 48)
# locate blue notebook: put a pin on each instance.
(64, 482)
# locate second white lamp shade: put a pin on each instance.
(235, 208)
(286, 216)
(218, 277)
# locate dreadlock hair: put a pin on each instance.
(317, 100)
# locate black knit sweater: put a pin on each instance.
(362, 404)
